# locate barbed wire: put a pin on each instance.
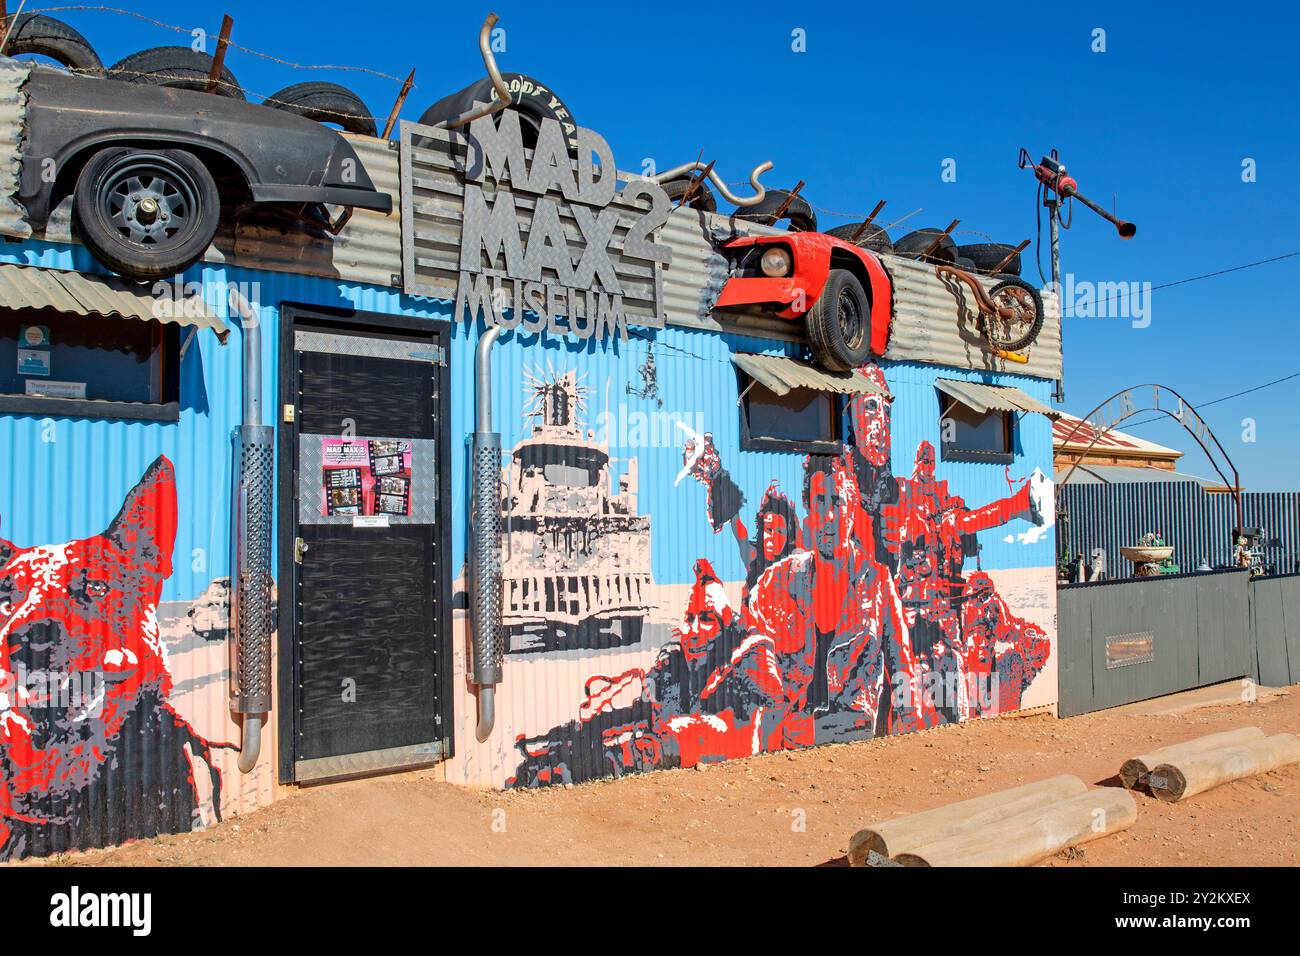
(94, 8)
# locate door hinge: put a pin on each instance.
(289, 413)
(299, 549)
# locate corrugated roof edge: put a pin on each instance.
(13, 117)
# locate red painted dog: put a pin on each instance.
(91, 752)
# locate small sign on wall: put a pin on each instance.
(364, 478)
(1125, 649)
(34, 350)
(49, 388)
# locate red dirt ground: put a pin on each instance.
(796, 808)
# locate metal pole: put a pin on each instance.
(1054, 226)
(485, 542)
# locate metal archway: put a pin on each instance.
(1197, 428)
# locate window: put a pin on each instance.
(968, 435)
(802, 420)
(53, 363)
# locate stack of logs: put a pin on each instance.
(1023, 825)
(1194, 766)
(1016, 827)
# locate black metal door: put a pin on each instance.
(369, 645)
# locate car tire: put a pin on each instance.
(875, 239)
(1026, 331)
(325, 103)
(987, 255)
(45, 36)
(914, 243)
(703, 200)
(965, 264)
(533, 100)
(178, 67)
(839, 323)
(799, 214)
(109, 212)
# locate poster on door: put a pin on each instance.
(364, 477)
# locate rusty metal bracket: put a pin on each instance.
(929, 250)
(694, 186)
(780, 210)
(397, 106)
(1010, 255)
(866, 223)
(219, 58)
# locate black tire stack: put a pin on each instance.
(37, 35)
(177, 67)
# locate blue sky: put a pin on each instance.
(1160, 124)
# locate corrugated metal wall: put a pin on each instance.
(699, 387)
(67, 478)
(1198, 524)
(64, 480)
(936, 321)
(13, 114)
(1275, 623)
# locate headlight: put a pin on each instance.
(775, 262)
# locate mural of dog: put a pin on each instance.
(91, 752)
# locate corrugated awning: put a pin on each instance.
(780, 374)
(30, 287)
(985, 398)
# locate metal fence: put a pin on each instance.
(1124, 641)
(1129, 640)
(1275, 623)
(1198, 525)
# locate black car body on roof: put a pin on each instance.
(281, 158)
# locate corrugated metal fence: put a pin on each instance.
(1275, 623)
(1125, 641)
(1198, 525)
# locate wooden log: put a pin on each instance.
(1134, 771)
(880, 841)
(1035, 834)
(1195, 773)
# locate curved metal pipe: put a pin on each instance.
(494, 74)
(487, 712)
(250, 745)
(719, 184)
(485, 541)
(483, 373)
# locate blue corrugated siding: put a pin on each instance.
(71, 487)
(696, 381)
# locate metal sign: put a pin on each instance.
(1124, 404)
(531, 238)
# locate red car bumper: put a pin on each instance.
(813, 256)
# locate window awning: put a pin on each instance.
(780, 374)
(31, 287)
(986, 398)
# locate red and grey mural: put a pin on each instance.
(857, 617)
(91, 750)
